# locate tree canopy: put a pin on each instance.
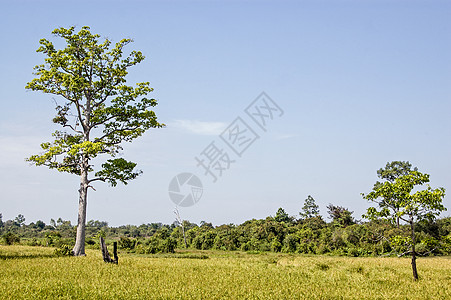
(340, 215)
(392, 171)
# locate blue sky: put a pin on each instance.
(361, 83)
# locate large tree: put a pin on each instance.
(412, 206)
(98, 111)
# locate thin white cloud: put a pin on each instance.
(19, 141)
(199, 127)
(14, 150)
(285, 136)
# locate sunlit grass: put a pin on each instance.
(31, 273)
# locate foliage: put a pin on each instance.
(340, 215)
(309, 236)
(395, 169)
(127, 243)
(392, 171)
(424, 204)
(282, 216)
(64, 250)
(10, 238)
(52, 237)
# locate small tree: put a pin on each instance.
(282, 216)
(412, 206)
(392, 171)
(99, 111)
(40, 224)
(340, 215)
(19, 220)
(310, 208)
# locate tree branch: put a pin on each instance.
(73, 128)
(97, 179)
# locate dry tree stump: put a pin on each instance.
(106, 256)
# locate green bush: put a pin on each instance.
(64, 250)
(33, 242)
(276, 246)
(127, 243)
(246, 246)
(156, 245)
(168, 245)
(10, 238)
(52, 238)
(322, 249)
(197, 242)
(264, 246)
(290, 243)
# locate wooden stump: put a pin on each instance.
(106, 256)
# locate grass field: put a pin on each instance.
(34, 273)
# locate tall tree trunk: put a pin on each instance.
(79, 248)
(414, 258)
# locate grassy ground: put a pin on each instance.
(34, 273)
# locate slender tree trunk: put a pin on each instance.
(179, 220)
(184, 237)
(414, 258)
(79, 248)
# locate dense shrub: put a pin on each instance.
(155, 245)
(64, 250)
(10, 238)
(127, 243)
(276, 246)
(290, 243)
(52, 237)
(33, 242)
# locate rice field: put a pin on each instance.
(35, 273)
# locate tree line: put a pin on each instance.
(309, 234)
(398, 197)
